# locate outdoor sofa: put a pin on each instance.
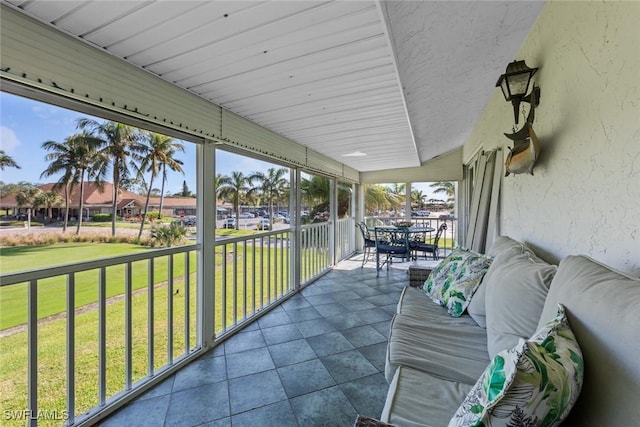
(434, 359)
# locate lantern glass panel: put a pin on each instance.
(518, 83)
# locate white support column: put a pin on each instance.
(296, 223)
(333, 216)
(407, 202)
(206, 221)
(359, 208)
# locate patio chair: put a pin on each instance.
(369, 243)
(432, 248)
(391, 243)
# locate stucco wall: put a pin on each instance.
(584, 196)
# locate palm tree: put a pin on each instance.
(418, 197)
(446, 187)
(272, 185)
(120, 149)
(7, 161)
(168, 159)
(395, 194)
(375, 198)
(233, 188)
(75, 158)
(159, 155)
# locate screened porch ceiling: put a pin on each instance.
(373, 85)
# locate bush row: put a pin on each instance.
(35, 239)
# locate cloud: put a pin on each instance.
(8, 140)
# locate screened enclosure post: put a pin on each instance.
(206, 223)
(150, 301)
(295, 244)
(102, 337)
(32, 328)
(170, 311)
(128, 331)
(187, 302)
(71, 345)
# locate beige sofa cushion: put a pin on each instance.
(502, 250)
(456, 352)
(414, 302)
(603, 308)
(516, 293)
(418, 399)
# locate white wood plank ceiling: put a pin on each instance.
(373, 85)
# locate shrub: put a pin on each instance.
(37, 239)
(101, 217)
(168, 235)
(152, 216)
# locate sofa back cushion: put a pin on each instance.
(603, 308)
(502, 250)
(515, 295)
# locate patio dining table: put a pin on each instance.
(394, 242)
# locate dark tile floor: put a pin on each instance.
(316, 360)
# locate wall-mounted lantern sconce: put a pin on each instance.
(515, 85)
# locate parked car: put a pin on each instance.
(421, 213)
(21, 217)
(263, 224)
(246, 215)
(189, 221)
(229, 223)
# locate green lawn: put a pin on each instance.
(51, 291)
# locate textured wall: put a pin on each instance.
(584, 196)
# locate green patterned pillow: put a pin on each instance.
(534, 384)
(456, 295)
(445, 272)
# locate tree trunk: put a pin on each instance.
(114, 207)
(237, 206)
(146, 207)
(67, 190)
(81, 203)
(164, 179)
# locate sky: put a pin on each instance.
(25, 124)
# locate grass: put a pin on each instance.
(13, 298)
(252, 287)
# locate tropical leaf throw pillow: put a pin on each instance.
(534, 384)
(453, 281)
(445, 272)
(457, 294)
